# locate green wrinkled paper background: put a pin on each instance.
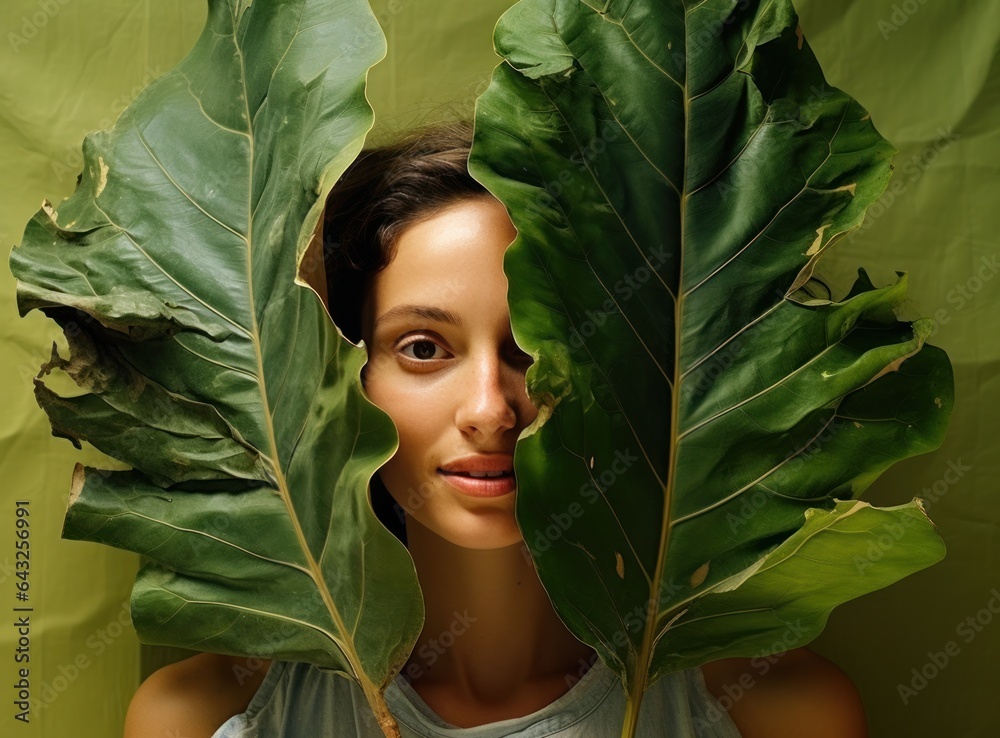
(926, 71)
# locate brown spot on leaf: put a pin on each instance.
(894, 367)
(76, 486)
(103, 180)
(699, 574)
(819, 239)
(619, 565)
(50, 211)
(801, 36)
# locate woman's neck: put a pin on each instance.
(492, 643)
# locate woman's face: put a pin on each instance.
(442, 362)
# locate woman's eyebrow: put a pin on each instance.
(420, 311)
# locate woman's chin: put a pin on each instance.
(486, 540)
(481, 531)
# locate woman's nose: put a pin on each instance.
(494, 398)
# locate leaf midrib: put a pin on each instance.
(315, 571)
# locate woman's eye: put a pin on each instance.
(423, 350)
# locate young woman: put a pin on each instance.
(417, 273)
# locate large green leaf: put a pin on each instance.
(211, 366)
(675, 170)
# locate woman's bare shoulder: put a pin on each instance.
(194, 697)
(788, 694)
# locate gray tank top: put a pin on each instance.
(297, 700)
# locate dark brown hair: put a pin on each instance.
(385, 190)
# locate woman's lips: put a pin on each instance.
(480, 486)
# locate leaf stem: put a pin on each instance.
(390, 729)
(631, 715)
